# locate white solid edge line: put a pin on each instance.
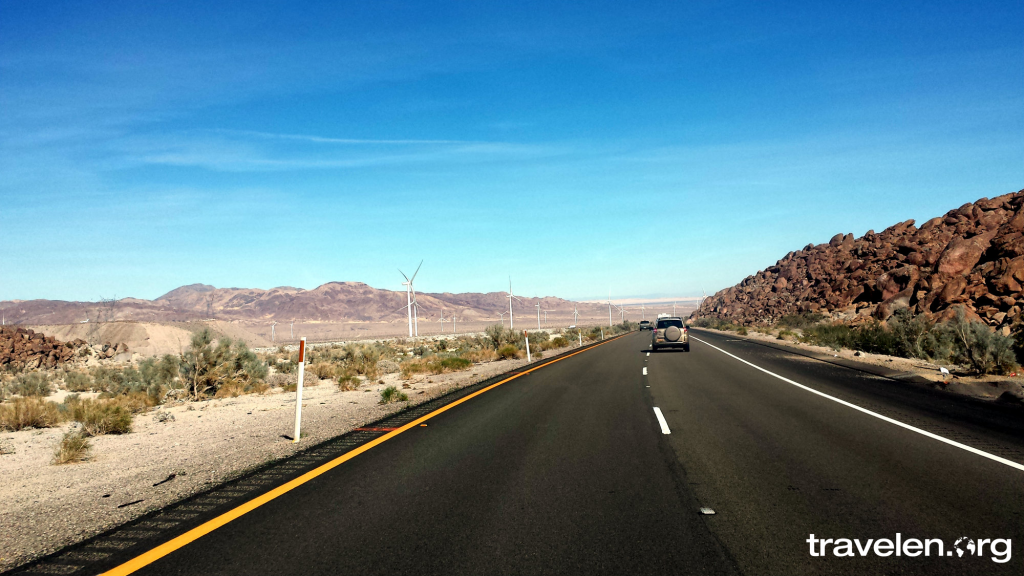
(645, 370)
(1009, 463)
(661, 421)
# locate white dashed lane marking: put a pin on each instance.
(661, 421)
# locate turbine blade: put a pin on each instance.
(403, 274)
(417, 271)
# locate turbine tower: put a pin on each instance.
(410, 298)
(511, 297)
(546, 315)
(273, 336)
(538, 316)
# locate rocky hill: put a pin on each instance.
(331, 302)
(22, 347)
(973, 256)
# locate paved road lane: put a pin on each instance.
(779, 463)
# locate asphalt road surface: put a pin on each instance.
(568, 470)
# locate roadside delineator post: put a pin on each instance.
(602, 333)
(527, 336)
(580, 330)
(298, 391)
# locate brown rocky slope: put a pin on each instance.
(973, 256)
(30, 349)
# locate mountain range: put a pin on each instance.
(331, 302)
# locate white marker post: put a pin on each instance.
(527, 336)
(580, 330)
(602, 333)
(298, 391)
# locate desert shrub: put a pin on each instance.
(919, 337)
(508, 351)
(204, 368)
(347, 381)
(142, 386)
(281, 380)
(32, 384)
(392, 394)
(73, 447)
(102, 416)
(22, 413)
(714, 324)
(559, 342)
(310, 379)
(78, 382)
(286, 367)
(801, 320)
(411, 367)
(834, 336)
(163, 372)
(1018, 342)
(498, 336)
(785, 334)
(742, 331)
(388, 366)
(977, 346)
(323, 370)
(452, 364)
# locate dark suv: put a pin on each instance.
(645, 325)
(670, 333)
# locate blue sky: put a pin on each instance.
(642, 148)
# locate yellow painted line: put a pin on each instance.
(147, 558)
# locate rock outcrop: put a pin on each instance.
(30, 349)
(973, 256)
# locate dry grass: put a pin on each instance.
(100, 416)
(392, 394)
(73, 447)
(434, 366)
(22, 413)
(482, 355)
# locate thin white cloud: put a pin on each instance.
(332, 140)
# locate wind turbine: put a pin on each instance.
(410, 298)
(441, 320)
(546, 315)
(643, 316)
(575, 315)
(622, 313)
(538, 316)
(502, 316)
(702, 298)
(273, 336)
(511, 297)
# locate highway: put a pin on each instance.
(568, 470)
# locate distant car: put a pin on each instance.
(645, 325)
(670, 332)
